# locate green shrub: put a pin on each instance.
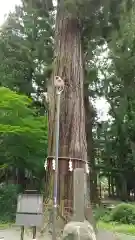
(101, 213)
(123, 213)
(8, 200)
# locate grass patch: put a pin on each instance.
(6, 225)
(117, 228)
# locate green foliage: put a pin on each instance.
(123, 213)
(23, 134)
(26, 49)
(101, 213)
(115, 139)
(117, 228)
(8, 202)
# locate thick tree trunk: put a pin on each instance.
(68, 65)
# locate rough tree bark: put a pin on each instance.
(68, 65)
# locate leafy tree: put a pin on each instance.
(116, 138)
(26, 49)
(23, 136)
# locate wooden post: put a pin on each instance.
(22, 232)
(34, 232)
(78, 191)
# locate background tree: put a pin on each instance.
(23, 137)
(26, 49)
(116, 137)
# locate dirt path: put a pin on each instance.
(14, 234)
(105, 235)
